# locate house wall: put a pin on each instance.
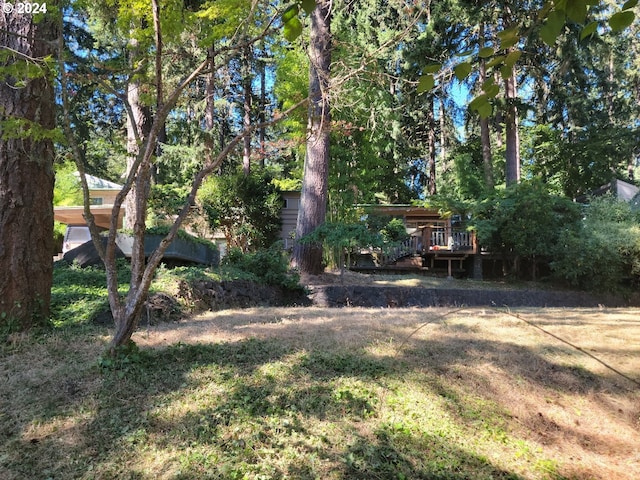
(289, 215)
(103, 197)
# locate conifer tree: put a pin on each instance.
(27, 131)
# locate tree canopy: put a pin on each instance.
(404, 101)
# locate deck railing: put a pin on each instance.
(390, 254)
(453, 239)
(433, 240)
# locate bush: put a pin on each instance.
(394, 231)
(340, 240)
(246, 208)
(269, 266)
(603, 252)
(525, 222)
(58, 236)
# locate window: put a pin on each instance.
(95, 201)
(291, 203)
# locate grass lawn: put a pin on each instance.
(311, 393)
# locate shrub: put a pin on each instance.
(246, 208)
(525, 221)
(269, 266)
(394, 231)
(58, 236)
(603, 252)
(341, 240)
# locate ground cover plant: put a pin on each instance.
(79, 295)
(308, 393)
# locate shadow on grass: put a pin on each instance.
(258, 407)
(273, 408)
(445, 355)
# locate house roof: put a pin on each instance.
(96, 183)
(622, 190)
(399, 209)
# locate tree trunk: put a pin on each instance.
(512, 167)
(209, 112)
(263, 107)
(313, 201)
(162, 134)
(499, 121)
(247, 105)
(138, 125)
(487, 158)
(512, 137)
(26, 174)
(431, 147)
(485, 135)
(443, 136)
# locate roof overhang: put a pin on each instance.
(74, 215)
(409, 212)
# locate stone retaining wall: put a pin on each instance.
(376, 296)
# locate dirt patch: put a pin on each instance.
(351, 289)
(332, 289)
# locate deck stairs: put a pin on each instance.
(413, 261)
(406, 251)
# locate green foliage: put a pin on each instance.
(603, 252)
(340, 240)
(224, 18)
(342, 235)
(466, 180)
(245, 208)
(184, 235)
(542, 146)
(583, 163)
(58, 236)
(178, 164)
(524, 220)
(19, 70)
(79, 295)
(21, 128)
(167, 199)
(288, 184)
(394, 231)
(291, 24)
(550, 23)
(123, 359)
(365, 162)
(270, 266)
(67, 190)
(291, 86)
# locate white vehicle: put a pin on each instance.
(74, 236)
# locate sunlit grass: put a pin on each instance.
(471, 395)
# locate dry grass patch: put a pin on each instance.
(563, 402)
(307, 393)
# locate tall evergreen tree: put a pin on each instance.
(313, 201)
(586, 110)
(27, 121)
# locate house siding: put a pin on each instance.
(289, 215)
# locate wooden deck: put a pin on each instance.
(430, 245)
